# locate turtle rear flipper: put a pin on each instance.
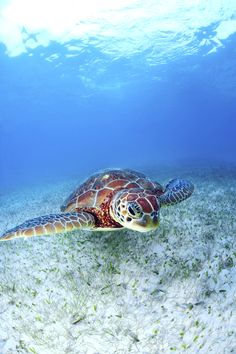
(51, 224)
(176, 191)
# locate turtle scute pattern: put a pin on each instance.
(101, 187)
(94, 205)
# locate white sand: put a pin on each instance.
(171, 291)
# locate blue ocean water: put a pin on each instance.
(114, 85)
(146, 85)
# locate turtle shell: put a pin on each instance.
(98, 190)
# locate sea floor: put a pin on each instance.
(168, 291)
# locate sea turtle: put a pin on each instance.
(109, 200)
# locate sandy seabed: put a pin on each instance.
(168, 291)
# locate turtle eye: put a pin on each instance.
(134, 210)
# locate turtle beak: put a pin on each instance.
(147, 223)
(155, 216)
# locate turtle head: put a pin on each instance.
(136, 209)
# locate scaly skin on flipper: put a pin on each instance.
(51, 224)
(109, 200)
(176, 191)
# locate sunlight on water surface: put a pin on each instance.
(160, 30)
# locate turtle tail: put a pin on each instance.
(176, 191)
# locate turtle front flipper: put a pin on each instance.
(176, 191)
(51, 224)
